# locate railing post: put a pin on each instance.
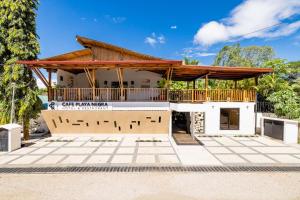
(168, 95)
(79, 94)
(193, 90)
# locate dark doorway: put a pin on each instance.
(181, 129)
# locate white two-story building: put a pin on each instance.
(106, 89)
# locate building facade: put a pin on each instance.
(106, 89)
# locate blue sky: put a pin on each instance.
(171, 29)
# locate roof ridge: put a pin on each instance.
(87, 42)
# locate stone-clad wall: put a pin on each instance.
(197, 125)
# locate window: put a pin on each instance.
(229, 118)
(61, 78)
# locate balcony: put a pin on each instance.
(151, 94)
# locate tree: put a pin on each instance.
(277, 89)
(251, 56)
(286, 103)
(235, 55)
(19, 41)
(189, 61)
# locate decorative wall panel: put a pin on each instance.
(75, 121)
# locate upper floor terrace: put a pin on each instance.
(104, 72)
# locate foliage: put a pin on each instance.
(276, 81)
(252, 56)
(236, 55)
(286, 103)
(189, 61)
(278, 89)
(18, 41)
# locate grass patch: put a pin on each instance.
(59, 140)
(103, 140)
(148, 141)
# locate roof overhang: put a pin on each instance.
(179, 72)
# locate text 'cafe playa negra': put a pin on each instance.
(104, 88)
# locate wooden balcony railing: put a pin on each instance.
(150, 94)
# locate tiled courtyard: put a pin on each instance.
(151, 150)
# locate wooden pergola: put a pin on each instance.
(169, 69)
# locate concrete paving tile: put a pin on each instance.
(56, 144)
(75, 144)
(146, 144)
(196, 155)
(277, 150)
(284, 158)
(105, 150)
(145, 159)
(210, 143)
(258, 158)
(98, 159)
(242, 150)
(230, 158)
(227, 141)
(74, 150)
(27, 159)
(268, 141)
(82, 138)
(92, 144)
(126, 150)
(162, 144)
(23, 151)
(122, 159)
(168, 159)
(68, 138)
(155, 150)
(205, 138)
(221, 150)
(6, 158)
(297, 155)
(43, 150)
(241, 138)
(128, 144)
(74, 159)
(110, 144)
(40, 144)
(252, 143)
(52, 138)
(50, 159)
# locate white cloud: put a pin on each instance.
(154, 39)
(204, 54)
(173, 27)
(197, 51)
(116, 20)
(250, 16)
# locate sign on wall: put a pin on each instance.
(70, 105)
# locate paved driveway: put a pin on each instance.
(151, 150)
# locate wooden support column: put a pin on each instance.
(206, 87)
(235, 84)
(50, 96)
(120, 77)
(94, 84)
(256, 81)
